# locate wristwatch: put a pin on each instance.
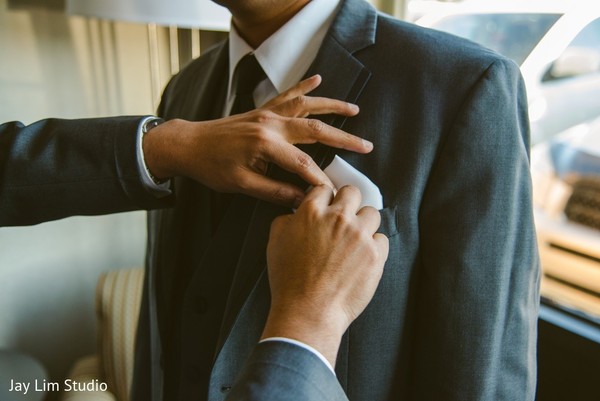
(148, 125)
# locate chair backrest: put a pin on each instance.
(118, 299)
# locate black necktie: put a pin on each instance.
(248, 73)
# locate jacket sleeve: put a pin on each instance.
(282, 371)
(57, 168)
(478, 288)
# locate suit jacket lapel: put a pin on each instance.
(344, 77)
(205, 95)
(203, 100)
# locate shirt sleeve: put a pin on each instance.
(159, 190)
(301, 345)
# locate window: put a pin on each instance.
(581, 57)
(510, 34)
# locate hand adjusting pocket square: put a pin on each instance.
(341, 173)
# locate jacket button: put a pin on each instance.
(225, 388)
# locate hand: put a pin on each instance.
(231, 154)
(324, 264)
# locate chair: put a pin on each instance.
(118, 298)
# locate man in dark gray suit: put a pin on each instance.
(454, 317)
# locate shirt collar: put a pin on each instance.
(287, 54)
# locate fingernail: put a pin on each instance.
(367, 144)
(354, 107)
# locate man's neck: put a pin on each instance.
(257, 24)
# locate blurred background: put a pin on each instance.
(90, 58)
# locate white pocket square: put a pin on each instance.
(341, 173)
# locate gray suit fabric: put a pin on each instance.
(454, 317)
(280, 371)
(57, 168)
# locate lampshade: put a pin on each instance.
(202, 14)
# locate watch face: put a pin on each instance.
(152, 123)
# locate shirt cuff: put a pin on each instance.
(301, 345)
(158, 190)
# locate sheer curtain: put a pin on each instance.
(397, 8)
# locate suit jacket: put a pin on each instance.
(57, 168)
(454, 317)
